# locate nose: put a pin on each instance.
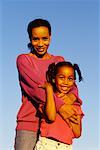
(40, 43)
(66, 81)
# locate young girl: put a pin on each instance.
(57, 133)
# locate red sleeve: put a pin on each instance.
(29, 81)
(59, 59)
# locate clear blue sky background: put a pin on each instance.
(75, 35)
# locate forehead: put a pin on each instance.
(65, 70)
(38, 31)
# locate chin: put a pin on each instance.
(40, 55)
(64, 92)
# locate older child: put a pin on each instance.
(57, 133)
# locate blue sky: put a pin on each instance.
(75, 35)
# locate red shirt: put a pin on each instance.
(32, 73)
(59, 129)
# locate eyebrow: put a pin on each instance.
(60, 75)
(38, 37)
(64, 75)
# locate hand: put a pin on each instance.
(74, 119)
(46, 85)
(68, 112)
(67, 98)
(77, 118)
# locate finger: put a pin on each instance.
(41, 86)
(68, 122)
(60, 95)
(74, 116)
(63, 97)
(75, 110)
(73, 120)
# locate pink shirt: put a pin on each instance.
(32, 73)
(59, 129)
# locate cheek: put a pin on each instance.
(34, 43)
(71, 83)
(57, 85)
(47, 43)
(58, 82)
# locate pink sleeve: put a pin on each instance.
(58, 101)
(29, 81)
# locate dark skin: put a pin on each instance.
(67, 111)
(40, 41)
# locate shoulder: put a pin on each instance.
(22, 59)
(59, 58)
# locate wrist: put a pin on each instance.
(49, 87)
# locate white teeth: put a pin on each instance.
(64, 88)
(40, 50)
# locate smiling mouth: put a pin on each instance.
(64, 88)
(40, 50)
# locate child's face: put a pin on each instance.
(64, 79)
(40, 40)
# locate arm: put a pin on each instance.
(77, 128)
(29, 81)
(68, 99)
(50, 108)
(74, 119)
(68, 109)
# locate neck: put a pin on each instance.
(45, 56)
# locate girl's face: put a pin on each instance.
(40, 40)
(64, 79)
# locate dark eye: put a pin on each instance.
(35, 38)
(45, 38)
(71, 79)
(61, 77)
